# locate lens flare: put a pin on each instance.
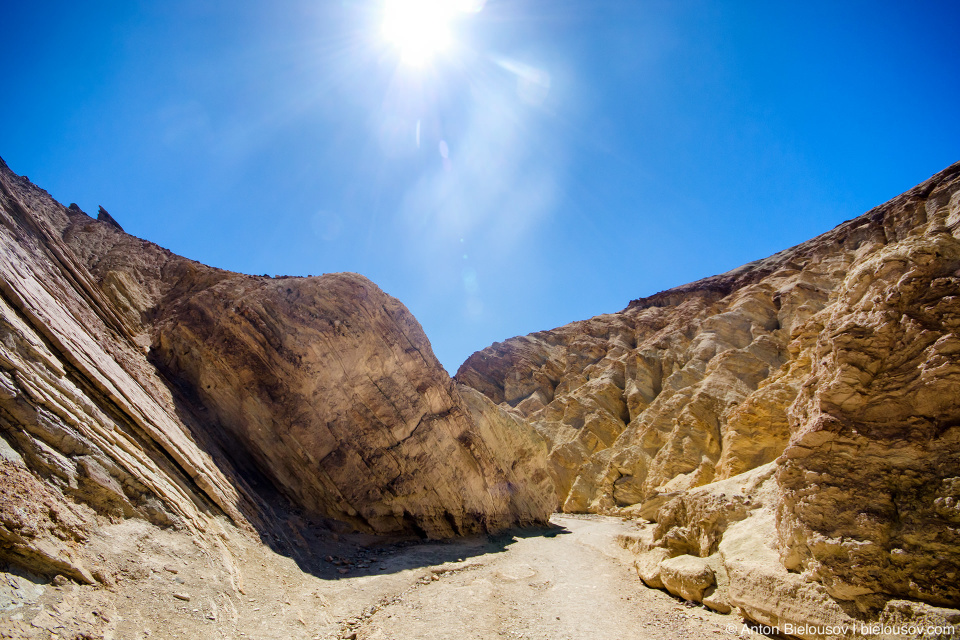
(419, 29)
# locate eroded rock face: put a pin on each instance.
(138, 384)
(871, 477)
(89, 427)
(830, 369)
(678, 390)
(332, 387)
(792, 426)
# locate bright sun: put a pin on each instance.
(419, 29)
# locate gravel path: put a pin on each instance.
(571, 584)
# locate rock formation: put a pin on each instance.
(327, 385)
(787, 433)
(832, 369)
(138, 384)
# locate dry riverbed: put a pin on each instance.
(568, 581)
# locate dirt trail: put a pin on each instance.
(568, 582)
(571, 583)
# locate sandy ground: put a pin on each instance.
(567, 585)
(567, 582)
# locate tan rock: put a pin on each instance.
(872, 468)
(136, 383)
(38, 531)
(837, 361)
(683, 388)
(648, 566)
(90, 421)
(765, 591)
(717, 597)
(791, 425)
(521, 456)
(687, 577)
(694, 521)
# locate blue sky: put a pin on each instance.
(572, 155)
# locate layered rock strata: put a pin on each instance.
(89, 429)
(138, 384)
(331, 386)
(790, 428)
(832, 366)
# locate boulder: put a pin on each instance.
(647, 564)
(687, 577)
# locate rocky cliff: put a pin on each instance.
(329, 387)
(831, 369)
(787, 434)
(138, 384)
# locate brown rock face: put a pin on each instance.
(138, 384)
(837, 360)
(331, 386)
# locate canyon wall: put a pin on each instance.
(832, 369)
(787, 434)
(138, 384)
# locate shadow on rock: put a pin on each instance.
(323, 547)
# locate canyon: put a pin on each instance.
(779, 443)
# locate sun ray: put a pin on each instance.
(419, 29)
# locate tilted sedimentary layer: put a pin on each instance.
(331, 388)
(790, 428)
(138, 384)
(832, 369)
